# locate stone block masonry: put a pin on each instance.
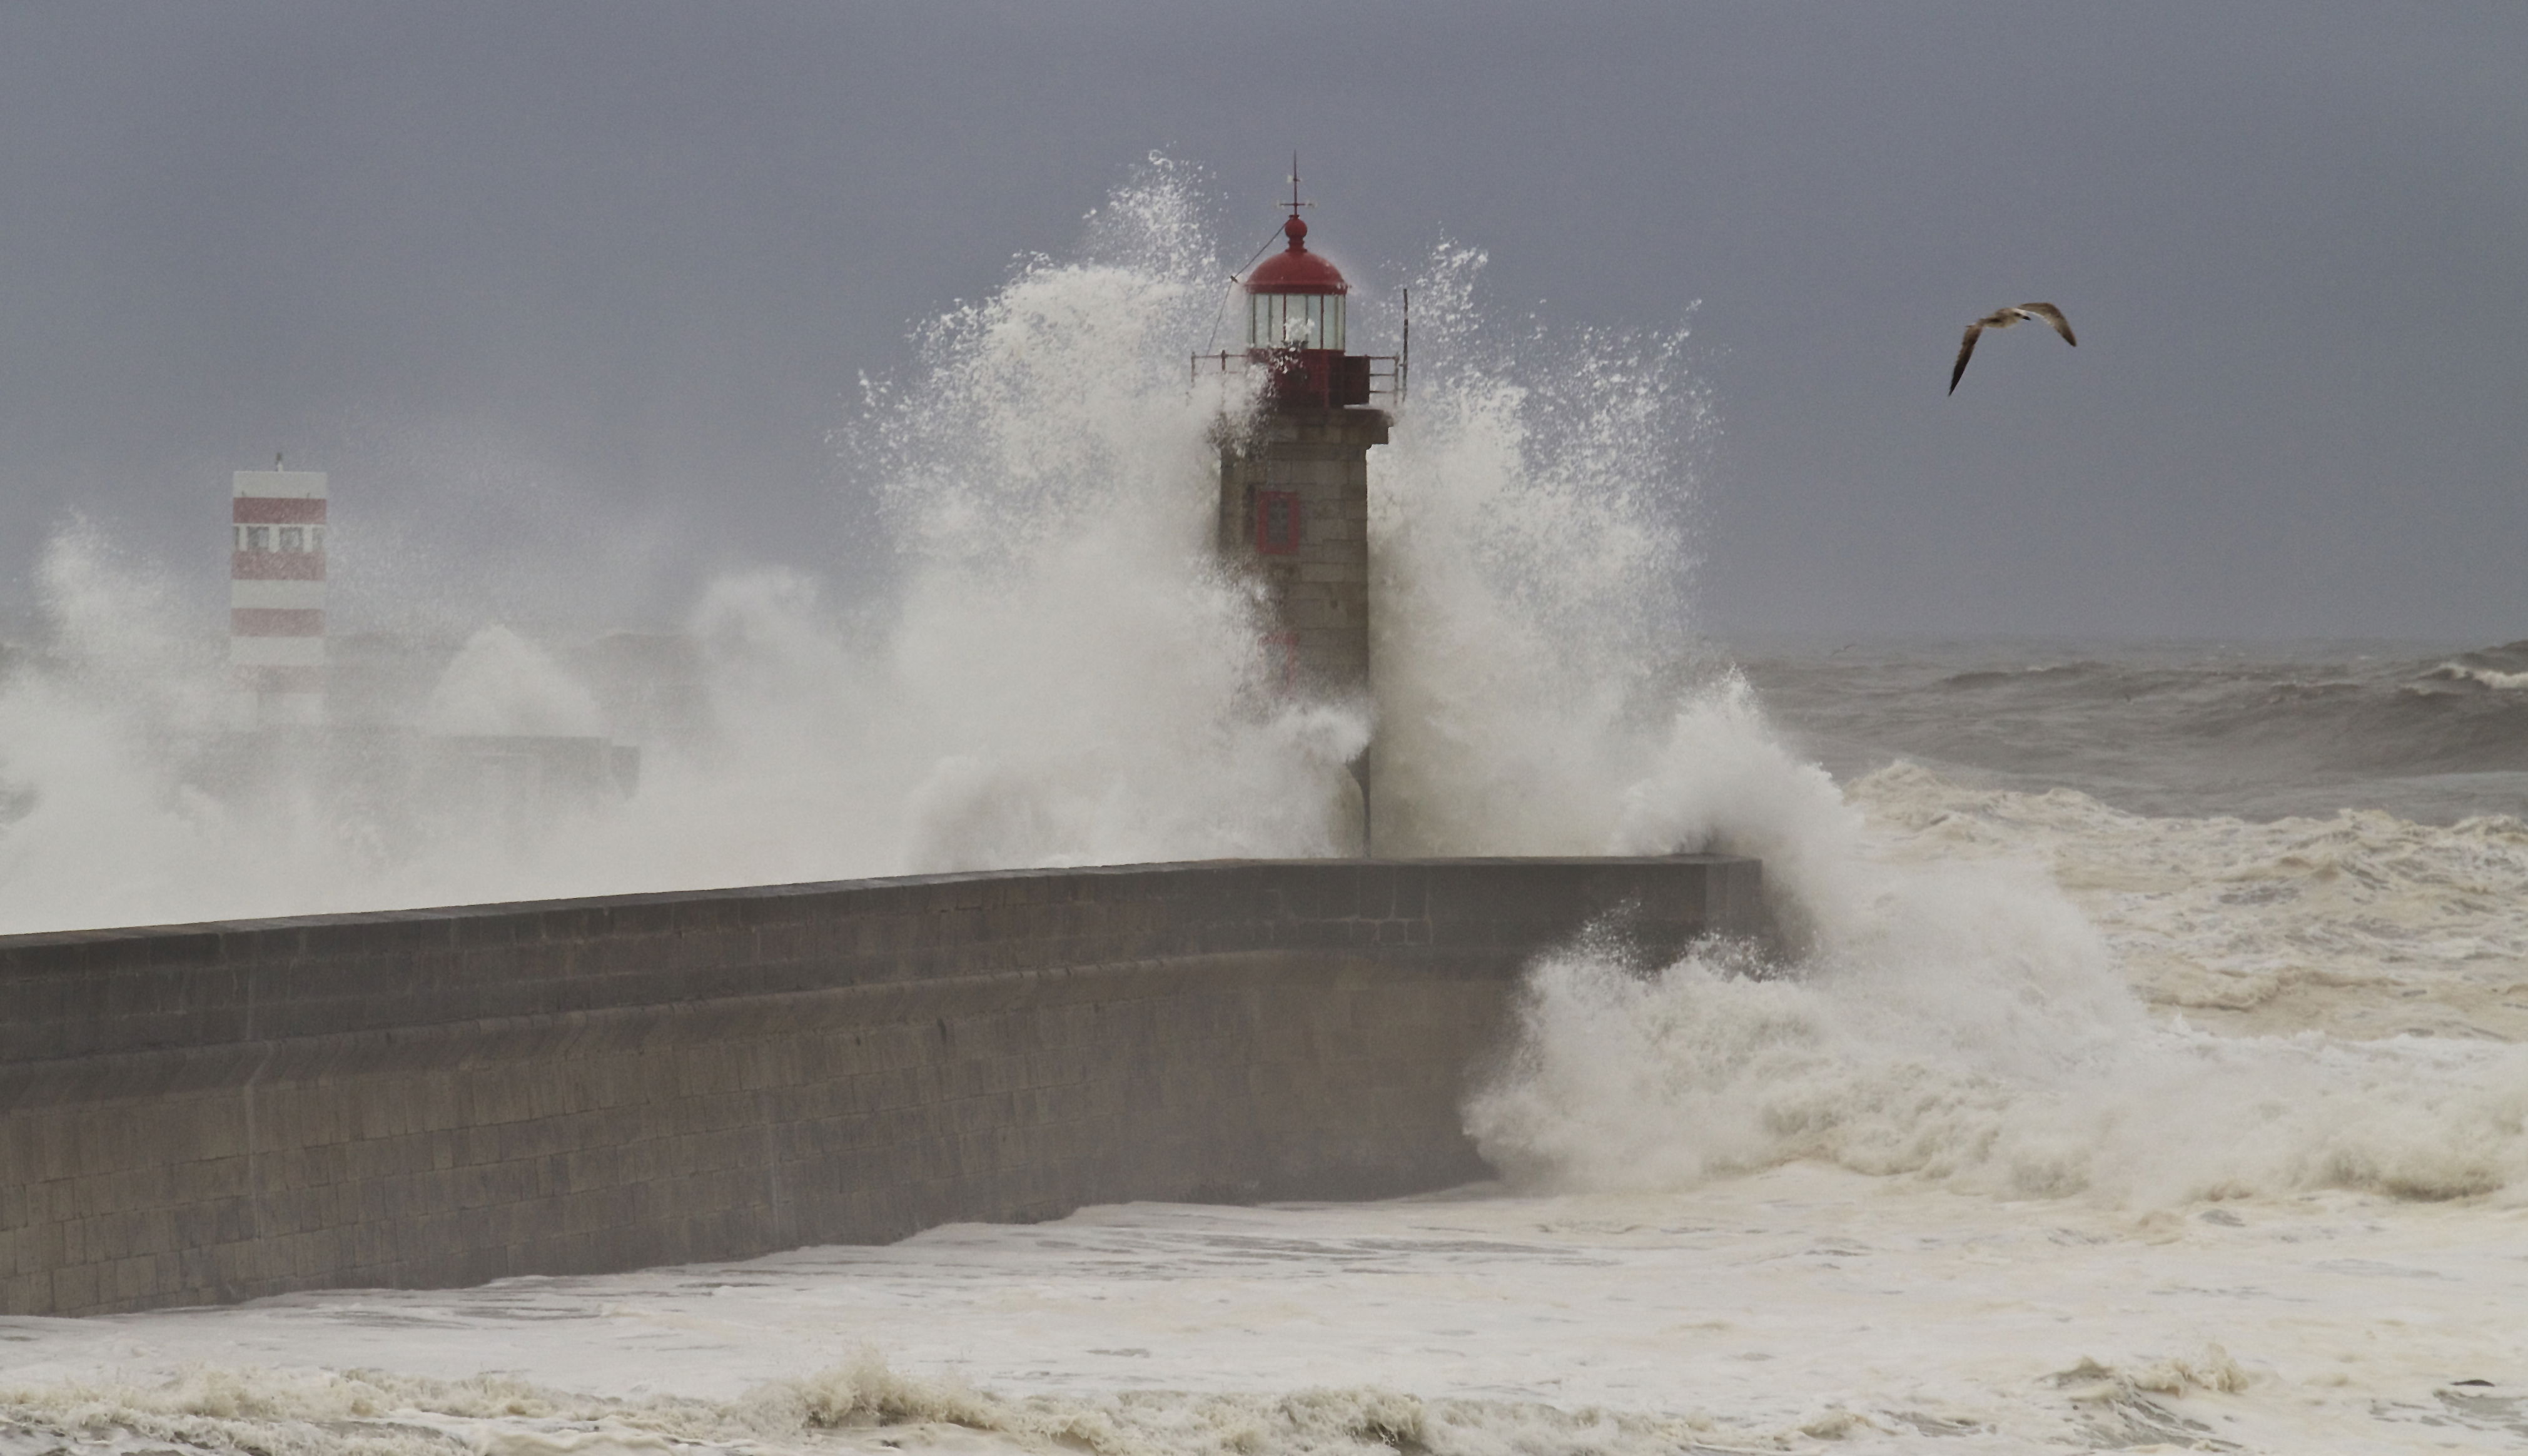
(429, 1098)
(1318, 585)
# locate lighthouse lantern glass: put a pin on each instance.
(1308, 321)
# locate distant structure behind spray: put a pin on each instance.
(277, 595)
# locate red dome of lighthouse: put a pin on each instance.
(1295, 270)
(1295, 300)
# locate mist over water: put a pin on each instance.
(1060, 675)
(1063, 673)
(2108, 938)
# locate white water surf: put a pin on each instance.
(2061, 1126)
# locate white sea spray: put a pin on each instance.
(1062, 674)
(1956, 1014)
(2244, 1080)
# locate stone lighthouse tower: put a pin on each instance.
(1295, 478)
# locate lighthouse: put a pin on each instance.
(1295, 476)
(277, 594)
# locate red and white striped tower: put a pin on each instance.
(277, 594)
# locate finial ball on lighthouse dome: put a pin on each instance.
(1296, 230)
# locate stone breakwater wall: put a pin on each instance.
(441, 1097)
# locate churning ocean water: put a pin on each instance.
(2147, 1075)
(2140, 1066)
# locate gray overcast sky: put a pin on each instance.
(594, 281)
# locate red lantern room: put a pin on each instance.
(1296, 298)
(1295, 302)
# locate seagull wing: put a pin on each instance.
(2048, 313)
(1966, 351)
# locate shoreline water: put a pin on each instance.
(1776, 1312)
(2233, 1252)
(2148, 1071)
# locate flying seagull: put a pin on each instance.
(2003, 318)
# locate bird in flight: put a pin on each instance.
(2003, 318)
